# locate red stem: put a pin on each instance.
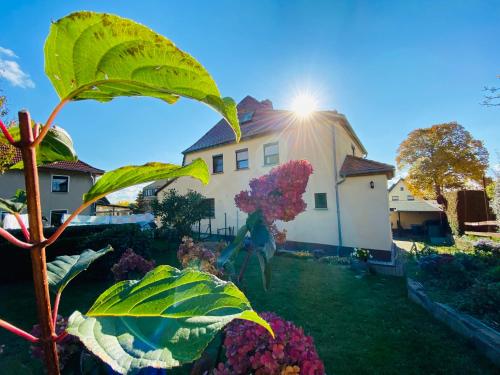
(56, 308)
(5, 132)
(47, 125)
(13, 240)
(61, 336)
(23, 226)
(18, 331)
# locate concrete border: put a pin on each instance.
(483, 337)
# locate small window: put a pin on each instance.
(402, 188)
(218, 164)
(410, 198)
(210, 207)
(56, 217)
(60, 184)
(271, 154)
(395, 197)
(242, 159)
(246, 117)
(320, 200)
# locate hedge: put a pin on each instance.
(15, 263)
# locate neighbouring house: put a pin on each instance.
(346, 196)
(149, 193)
(104, 208)
(412, 216)
(62, 186)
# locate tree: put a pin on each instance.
(140, 204)
(180, 212)
(491, 96)
(7, 151)
(442, 157)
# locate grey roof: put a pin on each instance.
(415, 206)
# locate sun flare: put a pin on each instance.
(304, 104)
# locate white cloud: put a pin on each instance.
(12, 72)
(127, 194)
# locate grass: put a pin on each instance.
(360, 325)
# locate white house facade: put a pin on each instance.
(346, 195)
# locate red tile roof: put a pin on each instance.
(76, 166)
(264, 120)
(356, 166)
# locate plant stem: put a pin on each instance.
(18, 331)
(23, 227)
(6, 133)
(245, 263)
(56, 308)
(13, 240)
(49, 122)
(38, 261)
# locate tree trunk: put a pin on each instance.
(38, 262)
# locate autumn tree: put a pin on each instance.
(7, 151)
(442, 157)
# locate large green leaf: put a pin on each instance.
(56, 146)
(136, 174)
(16, 204)
(101, 56)
(66, 267)
(162, 321)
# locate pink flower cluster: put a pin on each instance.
(131, 265)
(278, 194)
(192, 254)
(251, 350)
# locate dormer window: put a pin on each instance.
(246, 117)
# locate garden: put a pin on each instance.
(465, 276)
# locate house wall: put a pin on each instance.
(79, 183)
(364, 214)
(401, 194)
(312, 142)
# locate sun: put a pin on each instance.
(304, 104)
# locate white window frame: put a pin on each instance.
(247, 159)
(264, 152)
(60, 209)
(52, 186)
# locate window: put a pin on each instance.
(271, 154)
(395, 197)
(210, 207)
(60, 184)
(149, 192)
(242, 159)
(218, 164)
(320, 200)
(410, 197)
(56, 217)
(246, 117)
(402, 188)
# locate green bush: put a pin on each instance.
(452, 212)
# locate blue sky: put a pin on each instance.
(388, 66)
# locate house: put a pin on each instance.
(346, 195)
(103, 207)
(149, 193)
(62, 185)
(411, 215)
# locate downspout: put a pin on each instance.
(337, 183)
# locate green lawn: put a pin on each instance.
(360, 326)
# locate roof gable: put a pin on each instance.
(264, 120)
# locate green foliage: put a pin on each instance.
(164, 320)
(132, 175)
(101, 56)
(65, 268)
(180, 212)
(452, 212)
(56, 146)
(16, 204)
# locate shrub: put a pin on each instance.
(191, 254)
(432, 263)
(131, 266)
(487, 247)
(178, 213)
(483, 298)
(361, 254)
(250, 349)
